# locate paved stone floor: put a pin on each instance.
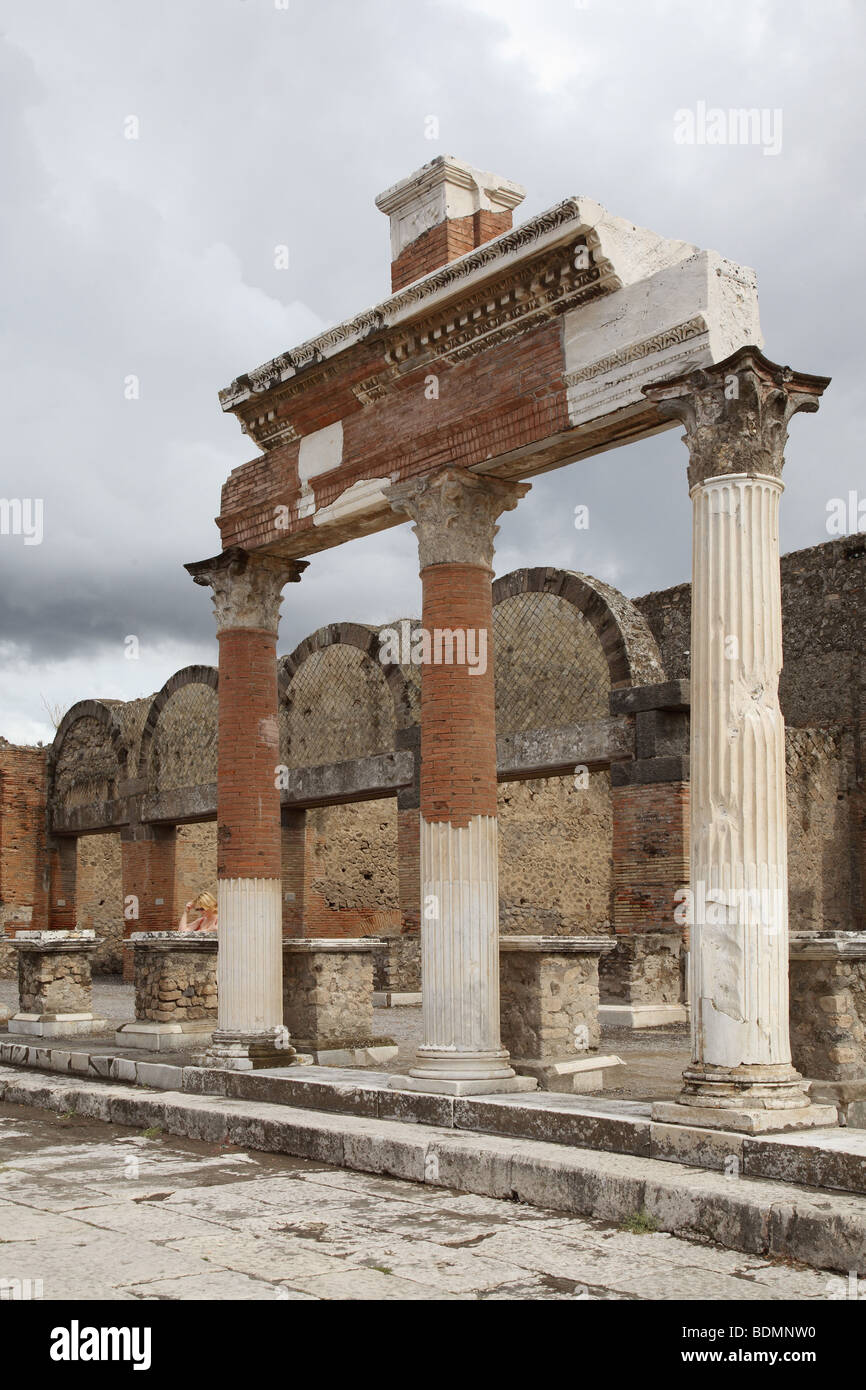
(99, 1211)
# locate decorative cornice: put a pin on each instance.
(455, 514)
(491, 256)
(247, 586)
(736, 413)
(670, 337)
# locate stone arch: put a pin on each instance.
(148, 754)
(624, 634)
(365, 638)
(88, 755)
(342, 659)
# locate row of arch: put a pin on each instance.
(562, 641)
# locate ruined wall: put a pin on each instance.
(555, 856)
(822, 688)
(351, 870)
(99, 898)
(195, 862)
(819, 841)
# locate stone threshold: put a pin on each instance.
(779, 1219)
(828, 1159)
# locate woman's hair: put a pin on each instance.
(206, 901)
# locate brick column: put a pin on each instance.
(247, 594)
(147, 869)
(63, 874)
(741, 1077)
(641, 981)
(455, 514)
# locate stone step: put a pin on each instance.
(831, 1159)
(758, 1216)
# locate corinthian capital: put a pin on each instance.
(455, 514)
(247, 586)
(736, 413)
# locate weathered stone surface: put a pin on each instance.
(175, 976)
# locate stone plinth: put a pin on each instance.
(328, 1000)
(642, 982)
(175, 976)
(549, 1009)
(828, 1018)
(54, 983)
(397, 971)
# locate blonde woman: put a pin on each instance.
(200, 914)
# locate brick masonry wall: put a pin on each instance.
(482, 409)
(445, 242)
(23, 902)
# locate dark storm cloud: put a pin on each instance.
(261, 126)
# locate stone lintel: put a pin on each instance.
(818, 945)
(558, 945)
(341, 945)
(645, 771)
(667, 695)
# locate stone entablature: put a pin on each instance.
(543, 333)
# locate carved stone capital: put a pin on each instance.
(455, 514)
(736, 413)
(247, 586)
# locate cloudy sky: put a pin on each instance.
(276, 122)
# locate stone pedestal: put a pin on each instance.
(642, 983)
(328, 1001)
(247, 592)
(741, 1077)
(175, 976)
(55, 995)
(828, 1019)
(397, 971)
(549, 1009)
(455, 521)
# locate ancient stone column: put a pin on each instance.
(741, 1077)
(455, 514)
(247, 591)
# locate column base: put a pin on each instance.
(752, 1099)
(164, 1037)
(348, 1052)
(443, 1086)
(642, 1015)
(745, 1120)
(56, 1025)
(232, 1051)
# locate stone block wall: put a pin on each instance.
(555, 856)
(328, 994)
(99, 899)
(54, 982)
(548, 1004)
(828, 1018)
(175, 987)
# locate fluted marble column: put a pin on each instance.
(247, 591)
(741, 1077)
(455, 514)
